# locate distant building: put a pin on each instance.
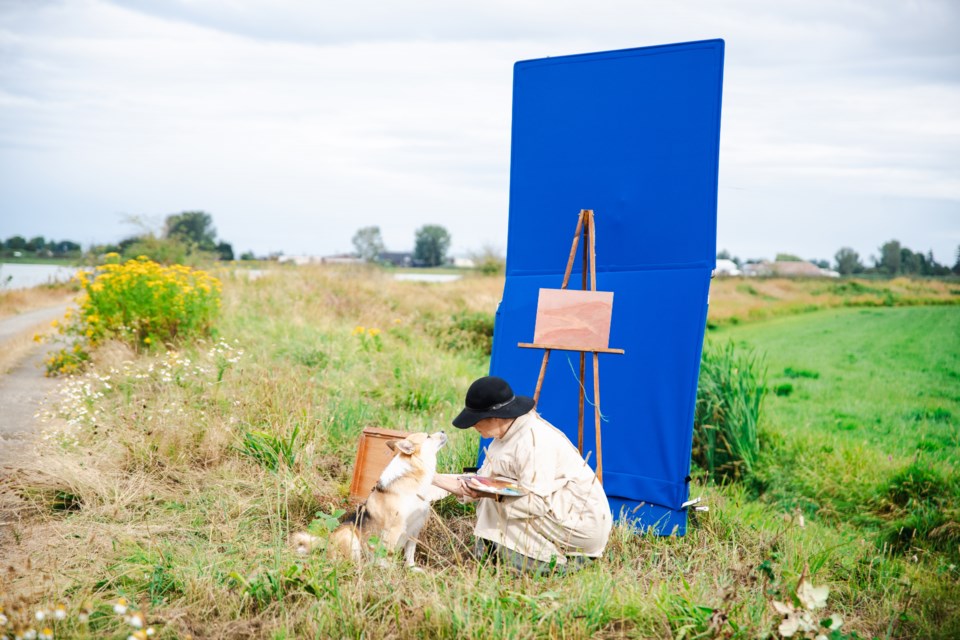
(788, 269)
(726, 268)
(464, 263)
(342, 258)
(396, 258)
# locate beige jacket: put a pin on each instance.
(566, 510)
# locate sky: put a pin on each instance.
(296, 122)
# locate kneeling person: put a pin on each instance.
(564, 517)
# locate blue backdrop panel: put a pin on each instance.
(633, 135)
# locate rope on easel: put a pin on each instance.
(586, 399)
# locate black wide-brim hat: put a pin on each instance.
(491, 397)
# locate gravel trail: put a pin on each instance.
(24, 389)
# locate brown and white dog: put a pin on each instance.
(397, 507)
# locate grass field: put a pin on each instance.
(862, 429)
(173, 479)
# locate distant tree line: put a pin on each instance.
(894, 259)
(185, 237)
(431, 244)
(40, 247)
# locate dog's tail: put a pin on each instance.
(347, 539)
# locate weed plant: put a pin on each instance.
(730, 394)
(139, 302)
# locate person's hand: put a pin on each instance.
(468, 484)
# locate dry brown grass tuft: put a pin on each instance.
(21, 300)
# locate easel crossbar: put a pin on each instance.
(553, 347)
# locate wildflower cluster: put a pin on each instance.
(77, 405)
(81, 397)
(369, 338)
(224, 354)
(140, 302)
(25, 623)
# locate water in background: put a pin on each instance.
(24, 276)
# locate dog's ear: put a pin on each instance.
(405, 446)
(392, 444)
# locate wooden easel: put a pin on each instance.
(586, 228)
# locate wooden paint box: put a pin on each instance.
(373, 456)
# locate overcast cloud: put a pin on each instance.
(296, 123)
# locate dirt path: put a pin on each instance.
(24, 388)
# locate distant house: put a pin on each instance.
(299, 260)
(396, 258)
(342, 258)
(787, 269)
(464, 263)
(726, 268)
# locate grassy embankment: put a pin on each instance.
(737, 300)
(175, 479)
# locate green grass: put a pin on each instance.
(885, 378)
(867, 440)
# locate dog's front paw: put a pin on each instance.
(303, 543)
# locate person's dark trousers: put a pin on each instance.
(488, 551)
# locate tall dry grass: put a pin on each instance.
(16, 301)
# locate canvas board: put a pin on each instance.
(573, 319)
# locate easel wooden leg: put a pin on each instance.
(583, 357)
(543, 370)
(596, 414)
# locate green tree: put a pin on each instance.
(225, 250)
(956, 265)
(368, 243)
(37, 243)
(489, 260)
(432, 242)
(66, 246)
(889, 261)
(848, 261)
(162, 250)
(911, 262)
(16, 243)
(193, 228)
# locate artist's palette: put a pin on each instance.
(497, 487)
